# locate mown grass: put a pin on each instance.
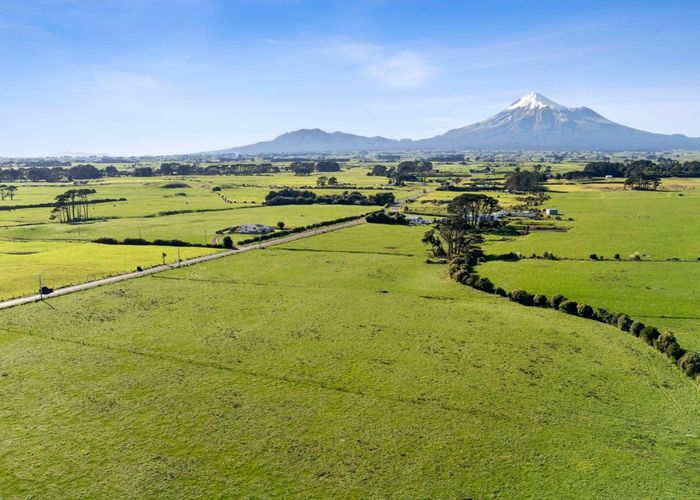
(340, 365)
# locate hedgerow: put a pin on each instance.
(666, 343)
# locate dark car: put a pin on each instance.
(45, 290)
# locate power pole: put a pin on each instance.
(41, 295)
(179, 262)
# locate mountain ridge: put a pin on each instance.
(532, 122)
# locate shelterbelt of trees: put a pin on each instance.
(660, 168)
(288, 196)
(88, 171)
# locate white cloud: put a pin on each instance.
(405, 69)
(396, 69)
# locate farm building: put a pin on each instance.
(417, 220)
(253, 229)
(552, 211)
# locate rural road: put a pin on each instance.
(167, 267)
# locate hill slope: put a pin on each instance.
(315, 140)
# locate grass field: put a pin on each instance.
(31, 244)
(340, 365)
(663, 294)
(64, 263)
(194, 227)
(660, 225)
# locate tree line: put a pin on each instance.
(289, 196)
(88, 171)
(405, 171)
(307, 168)
(660, 168)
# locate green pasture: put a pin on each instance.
(337, 366)
(63, 263)
(193, 227)
(659, 225)
(662, 294)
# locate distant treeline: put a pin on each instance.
(288, 196)
(661, 168)
(88, 171)
(404, 171)
(53, 204)
(307, 168)
(193, 169)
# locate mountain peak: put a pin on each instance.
(535, 100)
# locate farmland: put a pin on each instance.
(658, 228)
(422, 388)
(659, 225)
(185, 208)
(344, 364)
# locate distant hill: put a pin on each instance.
(316, 140)
(531, 123)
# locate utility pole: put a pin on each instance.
(41, 295)
(179, 261)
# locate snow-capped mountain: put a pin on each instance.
(533, 122)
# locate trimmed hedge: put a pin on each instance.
(624, 322)
(636, 328)
(649, 334)
(690, 363)
(585, 311)
(569, 307)
(143, 242)
(556, 300)
(522, 297)
(666, 343)
(540, 300)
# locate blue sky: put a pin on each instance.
(176, 76)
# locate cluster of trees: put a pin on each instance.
(661, 168)
(289, 196)
(72, 206)
(7, 191)
(456, 236)
(404, 171)
(640, 180)
(307, 168)
(524, 181)
(323, 181)
(392, 219)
